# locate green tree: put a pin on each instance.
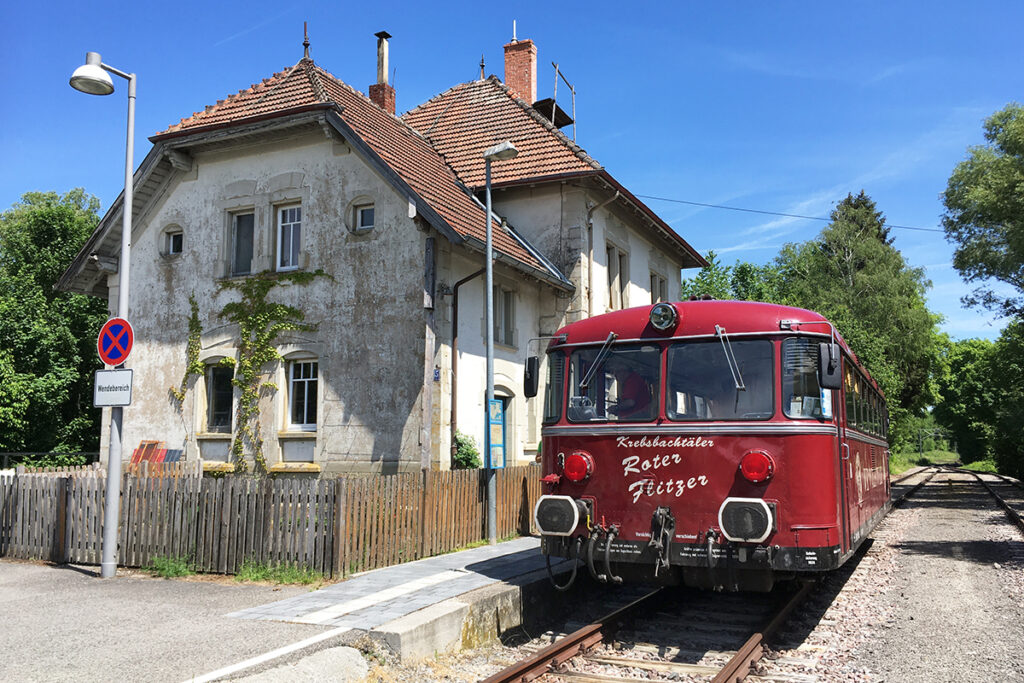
(47, 338)
(751, 282)
(853, 275)
(985, 213)
(713, 280)
(967, 397)
(1007, 373)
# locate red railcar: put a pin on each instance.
(719, 444)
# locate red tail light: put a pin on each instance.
(757, 467)
(578, 466)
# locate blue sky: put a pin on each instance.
(776, 106)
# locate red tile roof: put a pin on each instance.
(466, 120)
(396, 143)
(463, 122)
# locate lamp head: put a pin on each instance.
(501, 152)
(92, 78)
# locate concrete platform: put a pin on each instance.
(433, 605)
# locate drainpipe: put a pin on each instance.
(455, 349)
(590, 251)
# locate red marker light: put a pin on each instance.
(757, 467)
(578, 466)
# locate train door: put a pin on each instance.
(847, 485)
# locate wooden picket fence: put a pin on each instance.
(332, 526)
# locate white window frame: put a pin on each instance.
(659, 288)
(170, 235)
(295, 384)
(617, 264)
(504, 316)
(357, 218)
(233, 266)
(210, 397)
(292, 224)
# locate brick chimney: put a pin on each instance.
(382, 94)
(521, 69)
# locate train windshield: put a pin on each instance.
(621, 385)
(702, 387)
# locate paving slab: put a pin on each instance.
(373, 598)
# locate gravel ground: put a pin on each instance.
(956, 598)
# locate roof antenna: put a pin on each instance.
(305, 41)
(481, 67)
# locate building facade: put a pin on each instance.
(301, 174)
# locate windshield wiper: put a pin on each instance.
(734, 367)
(598, 362)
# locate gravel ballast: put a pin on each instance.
(955, 599)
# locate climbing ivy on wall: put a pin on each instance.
(193, 366)
(259, 324)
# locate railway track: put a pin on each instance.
(694, 635)
(1002, 486)
(906, 486)
(1007, 485)
(679, 634)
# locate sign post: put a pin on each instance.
(114, 344)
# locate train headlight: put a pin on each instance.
(757, 467)
(578, 466)
(664, 316)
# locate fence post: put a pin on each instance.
(60, 555)
(340, 512)
(426, 500)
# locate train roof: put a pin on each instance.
(697, 318)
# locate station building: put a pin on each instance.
(300, 172)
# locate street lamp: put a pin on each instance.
(93, 78)
(500, 152)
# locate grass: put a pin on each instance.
(901, 462)
(982, 466)
(278, 573)
(169, 567)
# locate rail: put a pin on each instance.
(1010, 511)
(739, 665)
(898, 500)
(576, 643)
(742, 663)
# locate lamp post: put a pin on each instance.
(92, 78)
(500, 152)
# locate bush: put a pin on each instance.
(169, 567)
(52, 459)
(988, 465)
(467, 457)
(279, 573)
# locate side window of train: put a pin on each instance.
(802, 397)
(849, 388)
(555, 388)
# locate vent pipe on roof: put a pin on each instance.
(382, 94)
